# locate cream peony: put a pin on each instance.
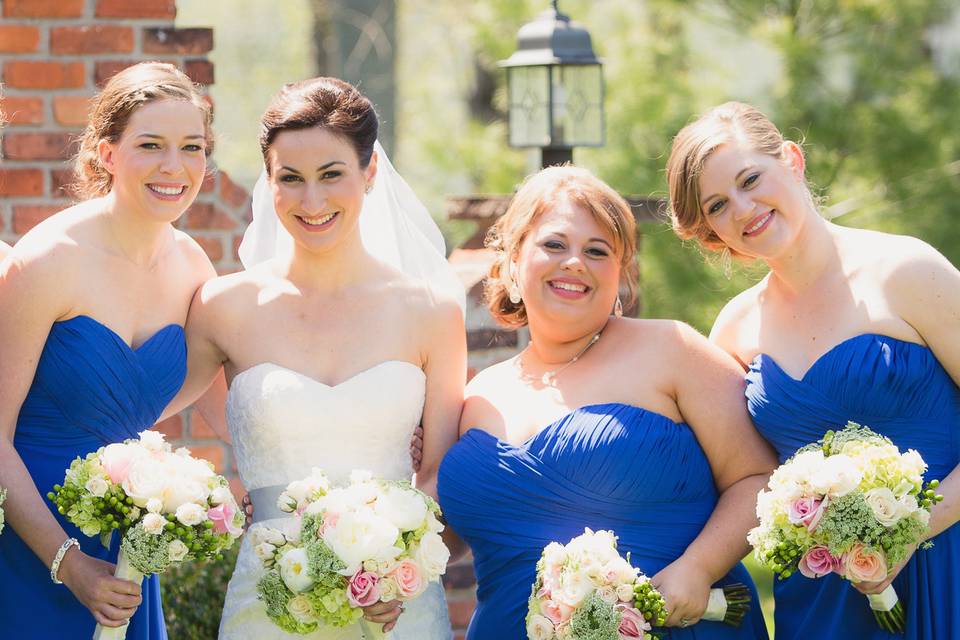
(152, 441)
(361, 535)
(836, 477)
(293, 569)
(405, 509)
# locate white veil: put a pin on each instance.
(394, 225)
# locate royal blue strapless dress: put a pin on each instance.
(900, 390)
(607, 466)
(90, 389)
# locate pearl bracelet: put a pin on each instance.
(57, 559)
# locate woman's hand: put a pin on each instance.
(416, 447)
(385, 613)
(686, 590)
(112, 601)
(247, 507)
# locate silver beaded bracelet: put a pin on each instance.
(57, 559)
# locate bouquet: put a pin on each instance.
(3, 496)
(586, 591)
(347, 548)
(167, 506)
(850, 504)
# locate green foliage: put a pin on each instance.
(193, 595)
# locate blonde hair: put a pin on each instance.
(693, 145)
(538, 193)
(112, 108)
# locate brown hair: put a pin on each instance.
(693, 145)
(330, 103)
(112, 108)
(537, 194)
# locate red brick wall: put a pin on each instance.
(54, 54)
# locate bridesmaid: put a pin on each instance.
(602, 421)
(92, 346)
(848, 325)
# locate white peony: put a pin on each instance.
(361, 535)
(406, 509)
(432, 555)
(97, 486)
(539, 627)
(152, 441)
(913, 464)
(177, 551)
(836, 477)
(301, 491)
(293, 569)
(154, 523)
(191, 514)
(574, 587)
(885, 506)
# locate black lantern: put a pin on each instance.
(555, 88)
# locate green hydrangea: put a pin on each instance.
(275, 595)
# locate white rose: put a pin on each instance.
(913, 463)
(220, 495)
(432, 555)
(177, 551)
(886, 509)
(191, 514)
(573, 589)
(608, 594)
(154, 505)
(836, 477)
(625, 593)
(152, 441)
(539, 627)
(260, 533)
(97, 486)
(302, 611)
(361, 535)
(154, 523)
(405, 509)
(293, 570)
(389, 589)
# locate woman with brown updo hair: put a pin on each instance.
(848, 325)
(602, 421)
(333, 352)
(92, 346)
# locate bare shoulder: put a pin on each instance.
(197, 259)
(235, 289)
(661, 335)
(432, 308)
(486, 382)
(737, 315)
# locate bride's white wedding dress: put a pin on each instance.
(283, 424)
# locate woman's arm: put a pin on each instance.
(204, 357)
(709, 393)
(32, 295)
(446, 370)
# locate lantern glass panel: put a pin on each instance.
(577, 105)
(529, 95)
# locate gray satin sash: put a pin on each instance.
(264, 502)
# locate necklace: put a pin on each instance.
(549, 377)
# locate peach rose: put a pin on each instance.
(409, 581)
(862, 564)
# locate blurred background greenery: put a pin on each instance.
(871, 88)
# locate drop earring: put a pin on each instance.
(618, 308)
(515, 296)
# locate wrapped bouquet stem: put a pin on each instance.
(167, 507)
(850, 504)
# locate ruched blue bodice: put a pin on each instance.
(607, 466)
(90, 389)
(900, 390)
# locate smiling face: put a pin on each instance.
(567, 267)
(318, 186)
(754, 202)
(159, 161)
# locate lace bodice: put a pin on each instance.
(283, 423)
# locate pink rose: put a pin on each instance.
(222, 519)
(808, 511)
(862, 564)
(632, 624)
(363, 590)
(407, 575)
(557, 612)
(818, 562)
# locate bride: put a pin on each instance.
(341, 334)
